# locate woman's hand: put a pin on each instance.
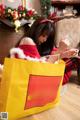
(69, 53)
(52, 58)
(63, 46)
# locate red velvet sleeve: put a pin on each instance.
(30, 50)
(53, 50)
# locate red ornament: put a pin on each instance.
(30, 13)
(21, 8)
(2, 10)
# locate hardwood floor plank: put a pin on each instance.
(69, 108)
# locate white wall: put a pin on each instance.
(13, 4)
(29, 4)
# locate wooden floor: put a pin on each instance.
(69, 108)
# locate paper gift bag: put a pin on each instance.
(29, 87)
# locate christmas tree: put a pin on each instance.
(45, 7)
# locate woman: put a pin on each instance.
(40, 42)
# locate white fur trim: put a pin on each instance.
(18, 51)
(21, 55)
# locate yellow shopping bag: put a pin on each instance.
(29, 87)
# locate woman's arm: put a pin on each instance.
(66, 54)
(64, 50)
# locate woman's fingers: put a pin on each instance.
(63, 45)
(70, 53)
(53, 58)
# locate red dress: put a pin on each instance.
(71, 64)
(67, 74)
(31, 50)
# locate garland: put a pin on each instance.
(15, 15)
